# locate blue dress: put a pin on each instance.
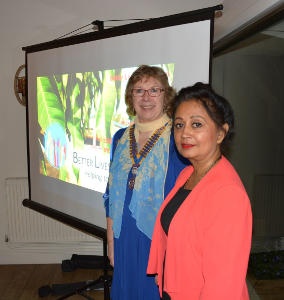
(131, 249)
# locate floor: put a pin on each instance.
(24, 282)
(265, 289)
(30, 282)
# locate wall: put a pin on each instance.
(254, 86)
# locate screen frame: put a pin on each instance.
(151, 24)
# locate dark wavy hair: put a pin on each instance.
(149, 71)
(217, 107)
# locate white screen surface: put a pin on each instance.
(69, 172)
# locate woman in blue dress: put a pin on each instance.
(144, 166)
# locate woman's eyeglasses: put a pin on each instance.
(153, 92)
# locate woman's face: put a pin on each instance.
(196, 135)
(148, 108)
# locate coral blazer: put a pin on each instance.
(205, 255)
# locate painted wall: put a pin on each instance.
(254, 86)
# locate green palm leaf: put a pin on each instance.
(50, 108)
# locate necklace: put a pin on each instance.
(136, 157)
(192, 182)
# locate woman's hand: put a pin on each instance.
(110, 253)
(156, 279)
(110, 250)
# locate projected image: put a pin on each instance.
(77, 115)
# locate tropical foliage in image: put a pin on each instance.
(75, 102)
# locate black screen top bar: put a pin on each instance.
(151, 24)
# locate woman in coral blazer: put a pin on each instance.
(202, 236)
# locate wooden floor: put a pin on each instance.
(268, 289)
(22, 282)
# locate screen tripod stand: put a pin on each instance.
(79, 288)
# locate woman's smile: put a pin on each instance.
(186, 146)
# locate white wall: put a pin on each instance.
(254, 86)
(27, 22)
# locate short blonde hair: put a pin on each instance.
(145, 71)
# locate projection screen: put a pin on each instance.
(75, 103)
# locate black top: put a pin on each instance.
(172, 207)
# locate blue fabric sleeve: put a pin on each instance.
(115, 140)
